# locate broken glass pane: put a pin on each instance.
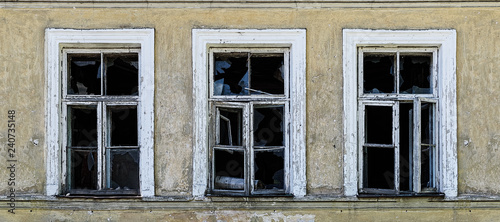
(269, 169)
(378, 73)
(83, 169)
(82, 122)
(267, 74)
(229, 169)
(230, 127)
(415, 72)
(123, 168)
(122, 74)
(406, 146)
(123, 128)
(84, 74)
(231, 74)
(378, 124)
(379, 168)
(268, 126)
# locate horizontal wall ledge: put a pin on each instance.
(307, 4)
(246, 203)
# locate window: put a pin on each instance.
(397, 119)
(100, 98)
(250, 90)
(400, 112)
(249, 110)
(100, 140)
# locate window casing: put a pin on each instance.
(407, 111)
(397, 101)
(249, 109)
(100, 94)
(213, 109)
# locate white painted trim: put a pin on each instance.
(53, 40)
(445, 40)
(295, 39)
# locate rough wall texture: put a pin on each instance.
(478, 52)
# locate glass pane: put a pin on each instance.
(426, 167)
(82, 122)
(231, 74)
(230, 124)
(229, 169)
(378, 124)
(268, 126)
(123, 129)
(269, 169)
(415, 74)
(267, 74)
(406, 145)
(378, 168)
(378, 73)
(428, 144)
(427, 127)
(83, 169)
(84, 74)
(122, 74)
(123, 168)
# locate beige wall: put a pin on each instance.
(478, 92)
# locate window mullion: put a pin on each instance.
(396, 75)
(100, 144)
(288, 151)
(103, 77)
(416, 144)
(248, 143)
(395, 136)
(249, 66)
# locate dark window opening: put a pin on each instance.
(124, 167)
(378, 73)
(268, 126)
(229, 169)
(84, 74)
(230, 126)
(415, 72)
(269, 169)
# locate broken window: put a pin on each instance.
(101, 100)
(397, 105)
(249, 101)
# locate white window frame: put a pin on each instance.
(55, 41)
(445, 41)
(202, 41)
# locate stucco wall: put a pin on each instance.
(478, 97)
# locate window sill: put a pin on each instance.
(245, 198)
(377, 195)
(80, 196)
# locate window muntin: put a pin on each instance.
(397, 139)
(100, 100)
(249, 143)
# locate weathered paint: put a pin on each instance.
(478, 121)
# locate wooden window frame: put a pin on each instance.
(393, 100)
(445, 88)
(205, 40)
(109, 40)
(246, 103)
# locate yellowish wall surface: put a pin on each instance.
(478, 98)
